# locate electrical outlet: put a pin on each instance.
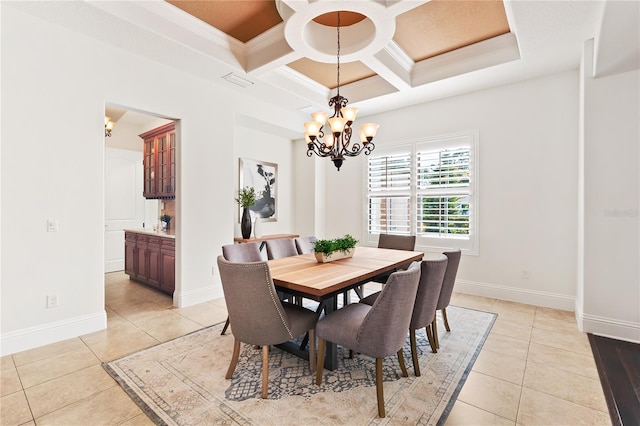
(524, 274)
(52, 301)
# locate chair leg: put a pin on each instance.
(379, 390)
(320, 368)
(265, 371)
(312, 349)
(403, 367)
(434, 326)
(234, 359)
(226, 325)
(444, 317)
(432, 342)
(414, 352)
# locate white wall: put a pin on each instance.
(55, 84)
(609, 275)
(527, 184)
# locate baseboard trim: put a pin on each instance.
(530, 297)
(33, 337)
(608, 327)
(188, 298)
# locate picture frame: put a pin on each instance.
(263, 177)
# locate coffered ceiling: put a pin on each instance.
(423, 30)
(393, 53)
(386, 47)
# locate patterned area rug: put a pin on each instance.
(181, 382)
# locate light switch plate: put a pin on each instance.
(52, 225)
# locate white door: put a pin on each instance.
(124, 203)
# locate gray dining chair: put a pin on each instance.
(377, 331)
(424, 310)
(304, 245)
(447, 290)
(258, 317)
(282, 247)
(395, 242)
(248, 252)
(279, 248)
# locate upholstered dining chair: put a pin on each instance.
(424, 310)
(396, 242)
(248, 252)
(377, 331)
(282, 247)
(447, 290)
(258, 317)
(304, 245)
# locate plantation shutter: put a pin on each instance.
(443, 190)
(389, 193)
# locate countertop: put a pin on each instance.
(166, 234)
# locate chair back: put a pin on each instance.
(397, 242)
(449, 278)
(255, 312)
(385, 326)
(248, 252)
(305, 245)
(431, 278)
(282, 247)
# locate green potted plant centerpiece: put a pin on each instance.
(246, 198)
(338, 248)
(166, 219)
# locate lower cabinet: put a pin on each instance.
(168, 266)
(150, 259)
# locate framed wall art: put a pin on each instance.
(263, 177)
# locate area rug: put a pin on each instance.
(181, 382)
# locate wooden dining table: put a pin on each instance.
(323, 282)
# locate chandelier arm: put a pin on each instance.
(368, 149)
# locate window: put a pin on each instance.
(427, 189)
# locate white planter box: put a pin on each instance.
(322, 258)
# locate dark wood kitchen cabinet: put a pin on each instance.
(159, 162)
(168, 266)
(150, 259)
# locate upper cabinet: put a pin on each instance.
(160, 162)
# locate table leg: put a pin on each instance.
(331, 357)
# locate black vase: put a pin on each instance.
(245, 223)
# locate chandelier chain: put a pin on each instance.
(338, 58)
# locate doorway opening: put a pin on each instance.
(140, 199)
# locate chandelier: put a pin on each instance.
(336, 142)
(108, 126)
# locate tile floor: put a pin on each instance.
(534, 369)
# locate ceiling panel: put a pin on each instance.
(241, 19)
(442, 26)
(326, 74)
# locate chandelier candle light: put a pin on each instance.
(336, 143)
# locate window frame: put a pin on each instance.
(439, 142)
